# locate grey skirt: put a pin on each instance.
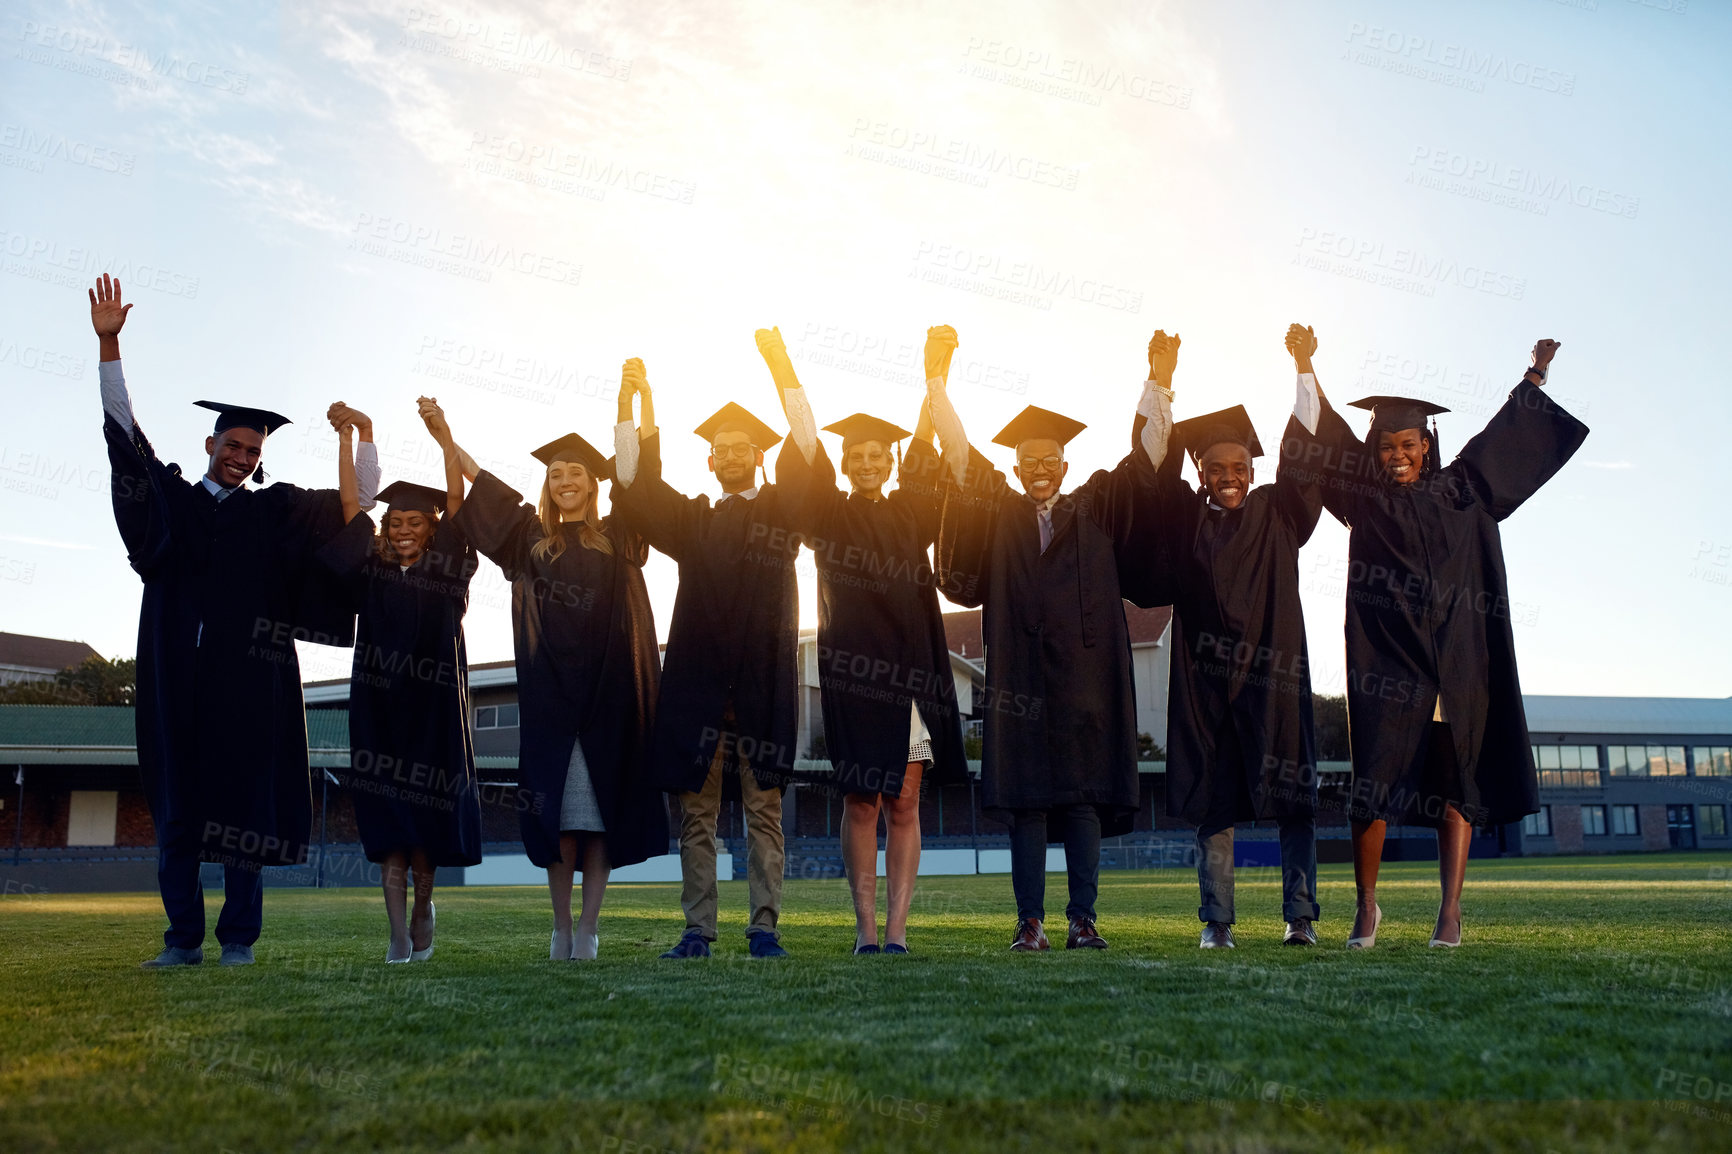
(578, 809)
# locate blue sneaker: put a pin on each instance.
(174, 956)
(692, 945)
(765, 945)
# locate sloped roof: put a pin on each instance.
(49, 654)
(1684, 716)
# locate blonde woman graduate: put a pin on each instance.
(587, 677)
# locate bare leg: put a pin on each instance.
(902, 855)
(1367, 857)
(860, 859)
(394, 878)
(559, 888)
(421, 921)
(595, 871)
(1453, 837)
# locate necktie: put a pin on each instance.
(1045, 517)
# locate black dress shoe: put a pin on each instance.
(1300, 933)
(868, 948)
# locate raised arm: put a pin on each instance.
(139, 483)
(347, 490)
(1524, 444)
(1333, 456)
(434, 418)
(366, 460)
(941, 345)
(802, 428)
(633, 382)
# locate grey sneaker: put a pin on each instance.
(1300, 933)
(1217, 936)
(237, 956)
(174, 956)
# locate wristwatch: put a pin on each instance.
(1537, 371)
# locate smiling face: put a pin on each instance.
(234, 455)
(1040, 466)
(409, 533)
(1402, 454)
(734, 461)
(868, 466)
(570, 485)
(1225, 473)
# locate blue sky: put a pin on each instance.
(498, 204)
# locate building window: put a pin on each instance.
(1681, 826)
(1646, 760)
(1624, 821)
(1538, 824)
(1713, 760)
(1594, 820)
(1713, 819)
(496, 717)
(1568, 766)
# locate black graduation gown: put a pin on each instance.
(411, 761)
(881, 645)
(586, 671)
(1239, 702)
(734, 637)
(1061, 716)
(228, 588)
(1428, 615)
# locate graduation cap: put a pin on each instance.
(863, 427)
(1036, 423)
(573, 448)
(262, 421)
(408, 497)
(735, 418)
(1394, 414)
(1228, 426)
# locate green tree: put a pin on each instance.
(93, 681)
(1330, 717)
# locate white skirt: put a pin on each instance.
(578, 809)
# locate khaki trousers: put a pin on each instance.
(765, 858)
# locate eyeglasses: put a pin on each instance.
(725, 452)
(1050, 464)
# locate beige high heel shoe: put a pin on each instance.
(1369, 940)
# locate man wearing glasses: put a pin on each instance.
(728, 711)
(1060, 762)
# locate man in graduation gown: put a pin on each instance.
(229, 586)
(1437, 725)
(728, 707)
(1239, 733)
(884, 675)
(1061, 722)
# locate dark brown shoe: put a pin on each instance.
(1217, 936)
(1029, 937)
(1083, 937)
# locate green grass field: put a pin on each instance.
(1591, 1008)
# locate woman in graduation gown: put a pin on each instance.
(883, 662)
(1434, 705)
(587, 678)
(411, 760)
